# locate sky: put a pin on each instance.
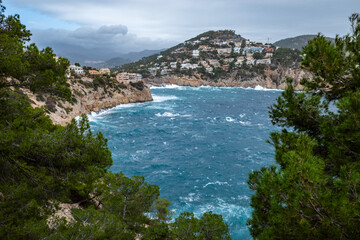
(99, 30)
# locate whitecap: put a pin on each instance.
(171, 115)
(260, 88)
(172, 86)
(163, 98)
(190, 198)
(215, 183)
(246, 123)
(230, 119)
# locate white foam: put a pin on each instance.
(169, 114)
(260, 88)
(190, 198)
(172, 86)
(215, 183)
(229, 211)
(94, 115)
(230, 119)
(242, 115)
(246, 123)
(163, 98)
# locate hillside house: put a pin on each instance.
(94, 72)
(224, 50)
(195, 53)
(253, 49)
(173, 65)
(78, 70)
(104, 71)
(237, 49)
(250, 62)
(209, 69)
(204, 48)
(240, 60)
(263, 61)
(126, 78)
(189, 66)
(225, 67)
(228, 60)
(214, 62)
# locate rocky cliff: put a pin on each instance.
(273, 79)
(87, 99)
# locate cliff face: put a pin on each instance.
(88, 100)
(273, 79)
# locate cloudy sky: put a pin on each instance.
(101, 29)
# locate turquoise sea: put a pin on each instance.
(197, 144)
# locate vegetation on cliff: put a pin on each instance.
(43, 166)
(313, 192)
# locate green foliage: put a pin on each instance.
(258, 55)
(209, 226)
(313, 192)
(138, 85)
(286, 57)
(32, 68)
(43, 165)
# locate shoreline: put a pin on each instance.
(174, 86)
(87, 100)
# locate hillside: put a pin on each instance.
(88, 96)
(220, 58)
(296, 42)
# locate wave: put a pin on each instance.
(169, 114)
(190, 198)
(230, 119)
(157, 98)
(260, 88)
(215, 183)
(244, 123)
(172, 86)
(233, 214)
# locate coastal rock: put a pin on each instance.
(89, 100)
(272, 79)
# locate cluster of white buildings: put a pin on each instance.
(236, 51)
(126, 77)
(78, 70)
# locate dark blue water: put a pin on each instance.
(197, 144)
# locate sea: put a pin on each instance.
(198, 144)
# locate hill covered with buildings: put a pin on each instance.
(220, 58)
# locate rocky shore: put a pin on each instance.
(272, 79)
(88, 100)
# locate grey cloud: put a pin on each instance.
(179, 20)
(111, 27)
(113, 30)
(94, 44)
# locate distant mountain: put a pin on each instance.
(297, 42)
(122, 59)
(113, 62)
(134, 56)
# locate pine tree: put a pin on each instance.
(313, 191)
